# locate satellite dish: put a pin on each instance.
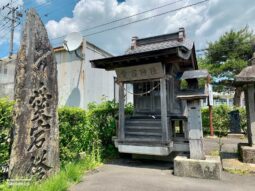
(72, 41)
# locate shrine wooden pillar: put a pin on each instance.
(163, 102)
(121, 125)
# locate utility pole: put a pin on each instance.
(14, 16)
(12, 31)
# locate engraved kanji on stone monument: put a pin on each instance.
(35, 148)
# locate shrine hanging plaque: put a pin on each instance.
(146, 71)
(35, 148)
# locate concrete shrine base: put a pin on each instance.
(210, 168)
(247, 153)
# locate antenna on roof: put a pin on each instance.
(72, 42)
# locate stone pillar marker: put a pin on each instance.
(35, 147)
(246, 79)
(196, 164)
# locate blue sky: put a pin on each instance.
(203, 23)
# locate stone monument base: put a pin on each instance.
(236, 135)
(210, 168)
(247, 153)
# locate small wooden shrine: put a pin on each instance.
(155, 66)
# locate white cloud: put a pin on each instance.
(203, 23)
(41, 1)
(87, 14)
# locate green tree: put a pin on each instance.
(226, 57)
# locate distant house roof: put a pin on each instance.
(153, 48)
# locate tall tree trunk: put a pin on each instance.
(237, 96)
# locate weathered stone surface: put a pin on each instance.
(247, 75)
(35, 148)
(235, 121)
(247, 153)
(210, 168)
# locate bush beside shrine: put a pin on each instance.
(81, 131)
(221, 119)
(6, 108)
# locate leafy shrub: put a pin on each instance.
(6, 107)
(73, 132)
(221, 119)
(103, 118)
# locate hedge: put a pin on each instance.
(103, 118)
(80, 131)
(6, 108)
(74, 132)
(221, 119)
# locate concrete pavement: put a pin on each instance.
(144, 175)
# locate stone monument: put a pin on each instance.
(246, 79)
(234, 122)
(35, 147)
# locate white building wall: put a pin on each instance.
(79, 83)
(99, 83)
(7, 72)
(70, 79)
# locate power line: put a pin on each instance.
(58, 7)
(3, 26)
(13, 15)
(43, 4)
(139, 20)
(130, 16)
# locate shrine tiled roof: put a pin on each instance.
(186, 43)
(153, 49)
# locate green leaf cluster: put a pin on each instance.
(221, 119)
(80, 131)
(6, 108)
(103, 118)
(74, 132)
(228, 55)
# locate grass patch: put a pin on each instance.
(214, 153)
(238, 171)
(70, 173)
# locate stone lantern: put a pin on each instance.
(246, 79)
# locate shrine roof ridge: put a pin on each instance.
(185, 43)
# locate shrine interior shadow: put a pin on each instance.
(128, 161)
(74, 99)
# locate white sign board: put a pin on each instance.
(210, 93)
(146, 71)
